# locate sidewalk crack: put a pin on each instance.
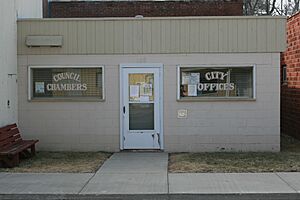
(98, 170)
(86, 183)
(287, 183)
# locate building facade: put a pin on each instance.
(180, 84)
(290, 87)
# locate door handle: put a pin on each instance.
(124, 110)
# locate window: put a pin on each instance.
(216, 82)
(284, 77)
(66, 82)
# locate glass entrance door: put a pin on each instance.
(141, 114)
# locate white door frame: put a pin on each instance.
(142, 65)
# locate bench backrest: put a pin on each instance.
(9, 135)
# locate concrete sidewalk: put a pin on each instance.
(131, 173)
(145, 176)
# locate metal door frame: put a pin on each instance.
(161, 86)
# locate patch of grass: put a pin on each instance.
(288, 160)
(63, 162)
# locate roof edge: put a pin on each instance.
(151, 18)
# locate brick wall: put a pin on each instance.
(290, 91)
(145, 8)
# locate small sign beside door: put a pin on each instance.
(182, 114)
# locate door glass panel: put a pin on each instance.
(141, 87)
(141, 116)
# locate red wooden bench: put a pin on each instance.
(12, 146)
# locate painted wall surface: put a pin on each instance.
(247, 34)
(29, 8)
(8, 63)
(210, 125)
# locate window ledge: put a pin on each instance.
(194, 99)
(66, 100)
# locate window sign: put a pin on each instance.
(39, 87)
(66, 82)
(215, 82)
(58, 83)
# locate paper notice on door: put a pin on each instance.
(192, 90)
(144, 99)
(146, 89)
(134, 91)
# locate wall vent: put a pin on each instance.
(44, 41)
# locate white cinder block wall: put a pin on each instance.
(210, 125)
(9, 9)
(8, 63)
(226, 125)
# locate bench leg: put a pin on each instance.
(25, 154)
(11, 161)
(32, 150)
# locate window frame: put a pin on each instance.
(30, 84)
(284, 75)
(179, 98)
